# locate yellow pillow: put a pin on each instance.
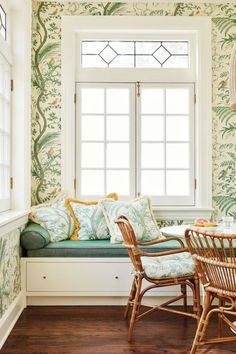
(81, 214)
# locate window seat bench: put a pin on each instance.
(35, 242)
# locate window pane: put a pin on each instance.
(177, 183)
(147, 61)
(177, 47)
(93, 61)
(92, 155)
(118, 101)
(177, 101)
(152, 155)
(118, 181)
(152, 128)
(152, 182)
(123, 47)
(118, 128)
(147, 47)
(161, 54)
(152, 100)
(1, 113)
(123, 61)
(177, 155)
(179, 61)
(117, 155)
(92, 47)
(177, 128)
(92, 183)
(92, 100)
(92, 128)
(1, 148)
(6, 149)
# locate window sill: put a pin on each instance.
(181, 213)
(12, 219)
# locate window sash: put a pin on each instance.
(168, 200)
(105, 141)
(5, 134)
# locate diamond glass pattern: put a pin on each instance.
(135, 54)
(108, 54)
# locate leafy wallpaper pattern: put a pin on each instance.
(10, 281)
(46, 84)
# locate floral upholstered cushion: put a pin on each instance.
(138, 212)
(170, 266)
(89, 220)
(55, 217)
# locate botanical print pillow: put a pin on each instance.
(55, 217)
(89, 220)
(138, 212)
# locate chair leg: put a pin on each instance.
(220, 321)
(131, 298)
(135, 308)
(184, 292)
(197, 298)
(202, 323)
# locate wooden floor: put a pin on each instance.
(102, 330)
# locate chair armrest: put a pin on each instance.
(155, 242)
(159, 254)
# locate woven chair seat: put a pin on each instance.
(170, 266)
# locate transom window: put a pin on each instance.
(3, 26)
(135, 54)
(4, 134)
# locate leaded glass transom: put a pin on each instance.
(3, 27)
(134, 54)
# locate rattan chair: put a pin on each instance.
(215, 259)
(139, 289)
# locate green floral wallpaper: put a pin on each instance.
(46, 99)
(10, 282)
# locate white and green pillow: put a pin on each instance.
(54, 217)
(138, 212)
(90, 223)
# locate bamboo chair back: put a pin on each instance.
(215, 258)
(130, 242)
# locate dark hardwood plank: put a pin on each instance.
(102, 330)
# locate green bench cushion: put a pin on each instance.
(93, 248)
(36, 242)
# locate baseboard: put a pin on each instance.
(10, 317)
(92, 300)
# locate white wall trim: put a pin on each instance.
(12, 220)
(201, 25)
(10, 317)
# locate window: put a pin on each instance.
(135, 54)
(136, 143)
(3, 26)
(5, 127)
(102, 55)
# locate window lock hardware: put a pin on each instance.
(138, 88)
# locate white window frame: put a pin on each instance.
(201, 28)
(17, 50)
